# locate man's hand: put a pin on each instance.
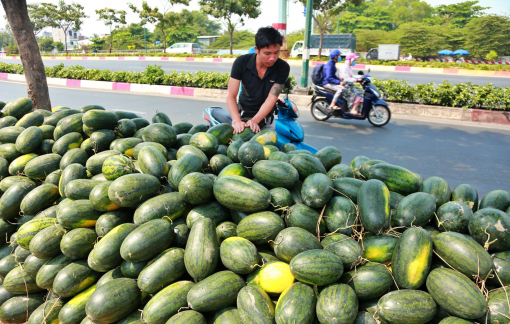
(239, 127)
(253, 125)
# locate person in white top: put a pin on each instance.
(352, 94)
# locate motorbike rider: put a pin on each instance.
(263, 75)
(331, 81)
(352, 94)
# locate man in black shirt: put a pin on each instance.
(263, 76)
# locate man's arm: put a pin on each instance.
(266, 107)
(233, 89)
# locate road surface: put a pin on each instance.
(138, 66)
(471, 153)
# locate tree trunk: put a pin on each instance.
(231, 45)
(230, 28)
(111, 39)
(35, 76)
(65, 40)
(164, 40)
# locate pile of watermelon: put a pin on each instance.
(111, 219)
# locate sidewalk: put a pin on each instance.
(291, 62)
(303, 101)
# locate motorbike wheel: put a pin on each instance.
(379, 115)
(316, 113)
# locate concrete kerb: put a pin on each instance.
(303, 101)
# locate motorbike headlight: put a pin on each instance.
(370, 79)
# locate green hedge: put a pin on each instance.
(433, 64)
(153, 74)
(465, 95)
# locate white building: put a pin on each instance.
(207, 40)
(47, 34)
(73, 37)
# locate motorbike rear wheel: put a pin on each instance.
(317, 113)
(379, 115)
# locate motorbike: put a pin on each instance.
(287, 127)
(374, 109)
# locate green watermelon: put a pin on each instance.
(328, 301)
(467, 302)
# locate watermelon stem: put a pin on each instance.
(26, 287)
(319, 223)
(506, 294)
(448, 264)
(488, 242)
(391, 274)
(44, 308)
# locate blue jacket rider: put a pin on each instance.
(331, 81)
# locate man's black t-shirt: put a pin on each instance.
(256, 90)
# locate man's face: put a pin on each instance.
(268, 55)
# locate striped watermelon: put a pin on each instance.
(254, 303)
(467, 302)
(240, 193)
(117, 166)
(215, 292)
(292, 241)
(412, 258)
(317, 267)
(328, 301)
(239, 255)
(407, 306)
(369, 281)
(296, 305)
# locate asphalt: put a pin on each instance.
(193, 67)
(459, 152)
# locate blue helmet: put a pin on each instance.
(334, 53)
(251, 50)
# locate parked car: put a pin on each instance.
(184, 48)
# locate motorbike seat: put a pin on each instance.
(221, 115)
(321, 88)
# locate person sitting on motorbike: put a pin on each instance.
(331, 81)
(263, 75)
(352, 94)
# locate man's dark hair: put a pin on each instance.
(267, 36)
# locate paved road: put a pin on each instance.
(459, 153)
(193, 67)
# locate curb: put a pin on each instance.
(451, 113)
(291, 62)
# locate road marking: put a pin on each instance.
(133, 111)
(319, 136)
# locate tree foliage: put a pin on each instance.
(164, 18)
(423, 30)
(324, 10)
(488, 33)
(242, 39)
(6, 38)
(198, 24)
(459, 14)
(111, 17)
(232, 11)
(420, 40)
(63, 16)
(37, 17)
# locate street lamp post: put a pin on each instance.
(145, 39)
(306, 49)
